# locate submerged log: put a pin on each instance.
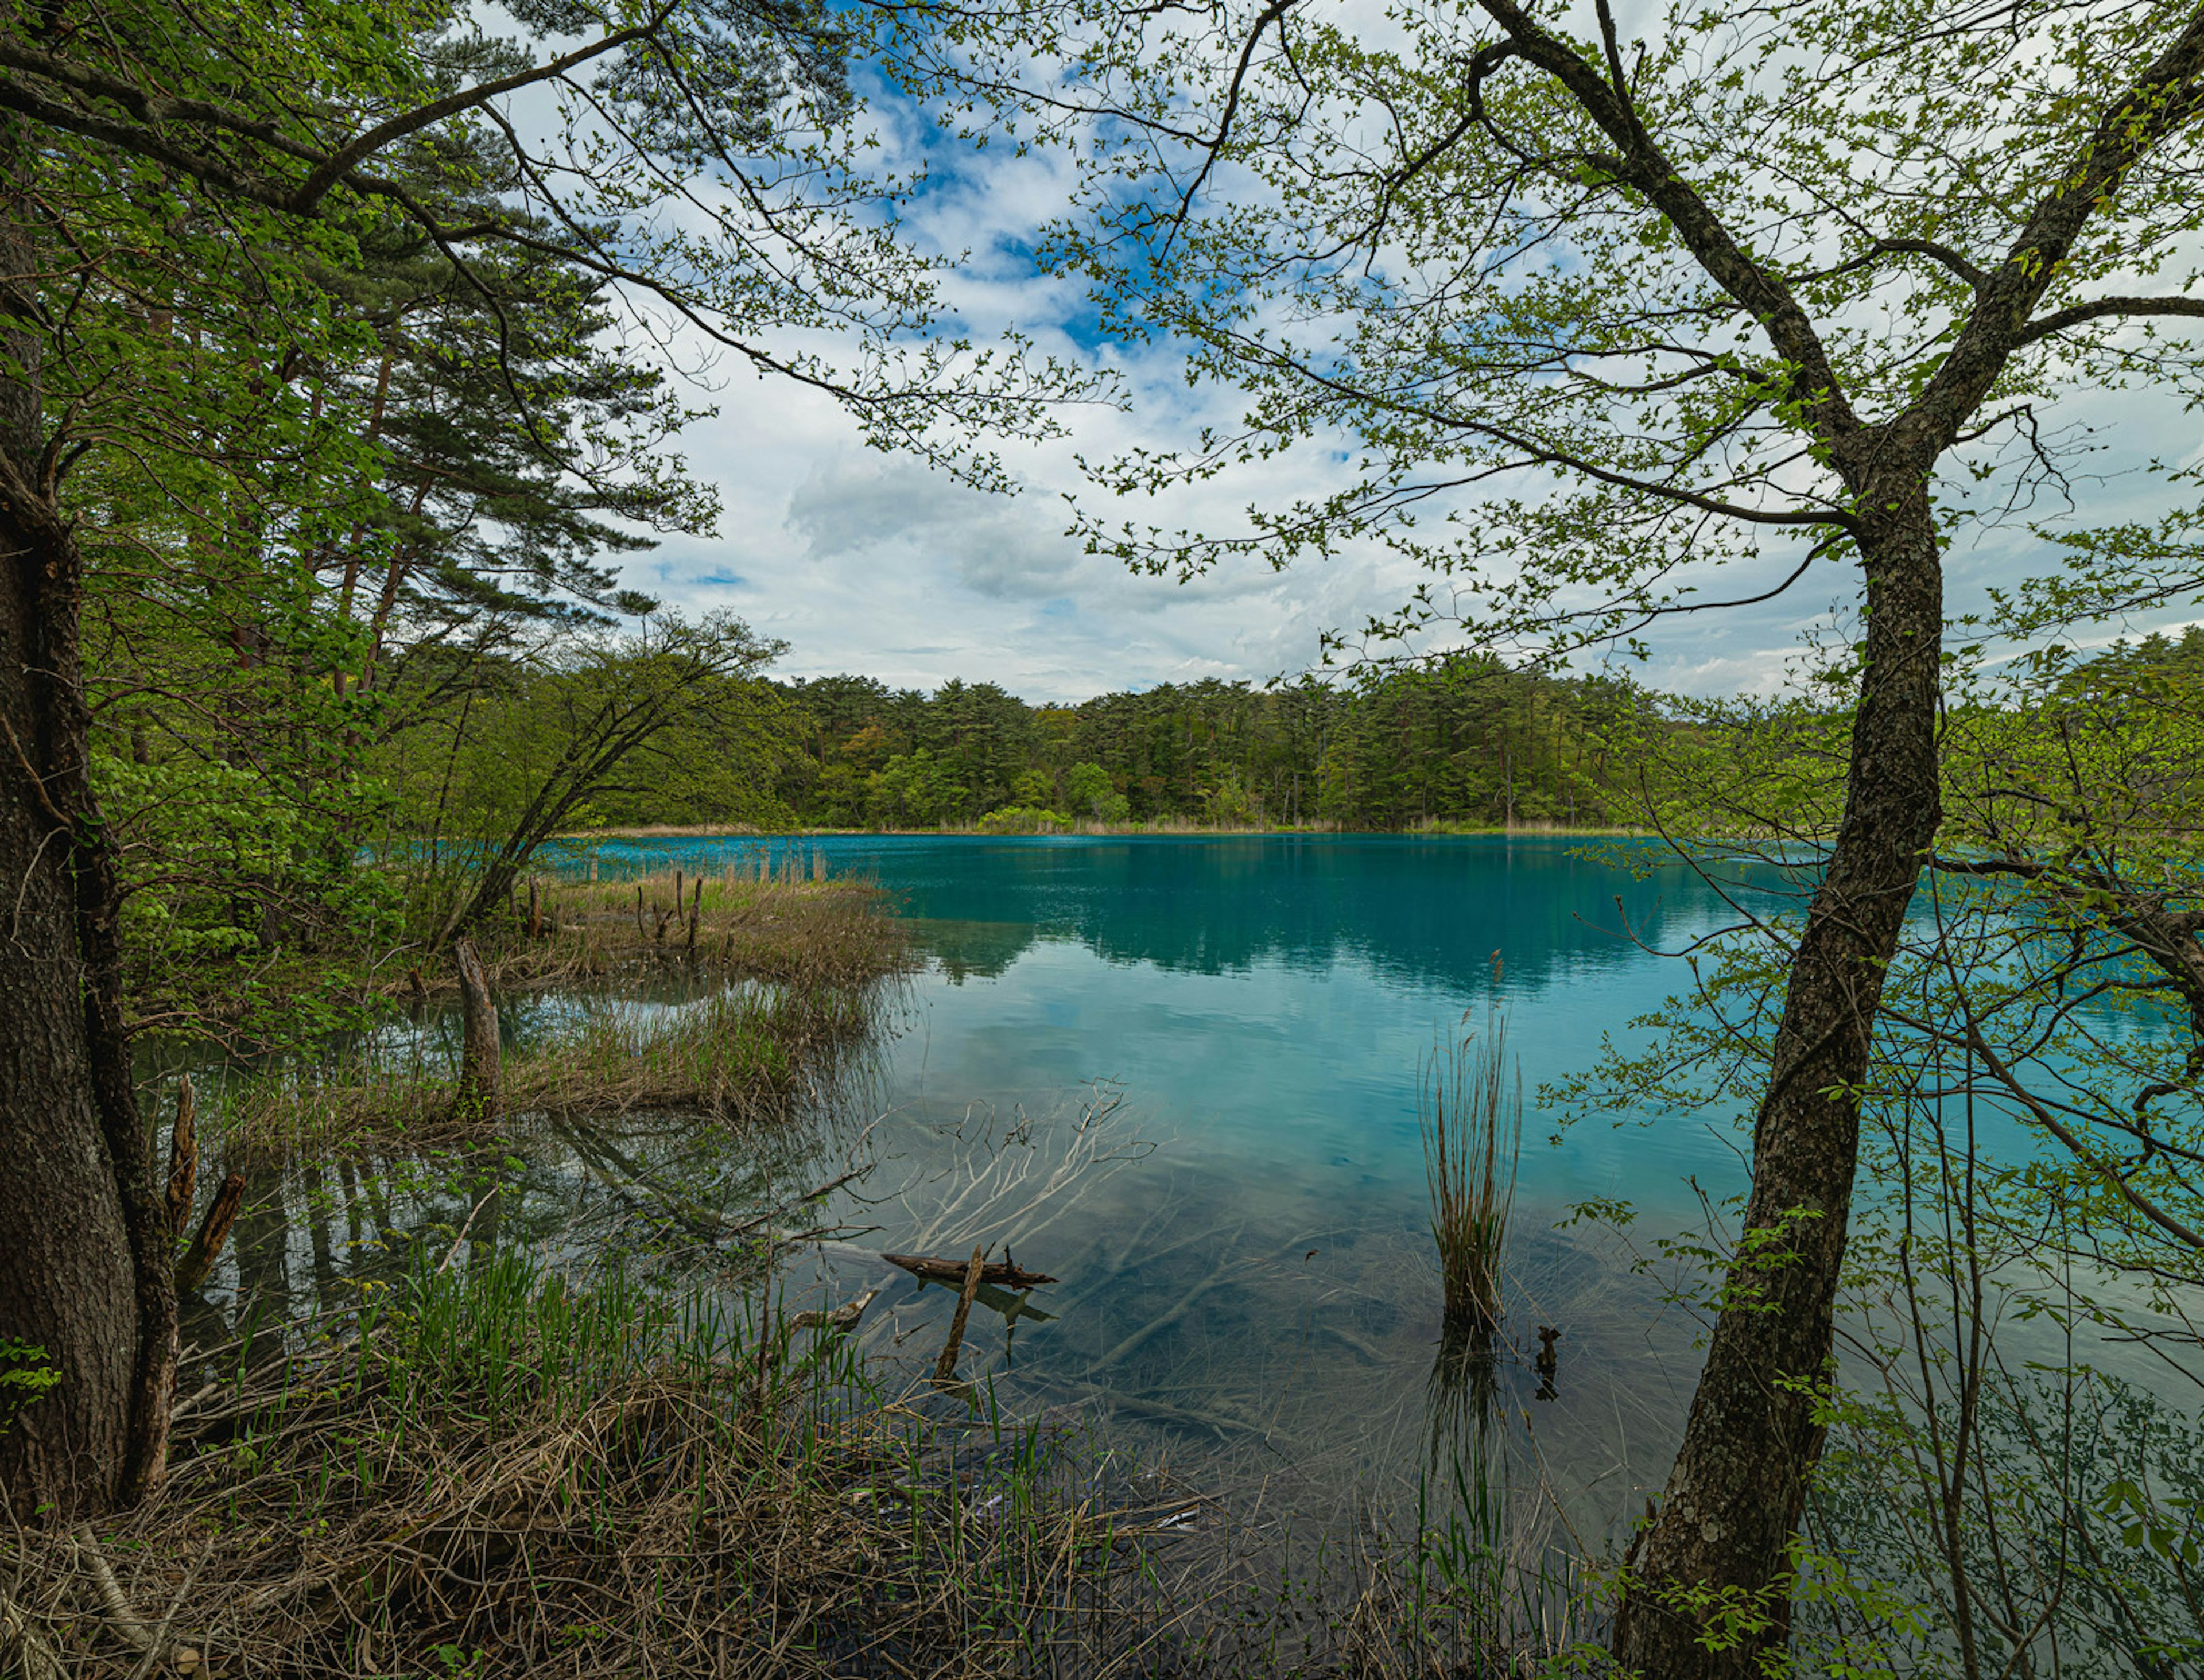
(476, 1099)
(1000, 1272)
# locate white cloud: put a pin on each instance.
(873, 563)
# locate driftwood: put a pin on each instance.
(1000, 1272)
(945, 1369)
(214, 1231)
(843, 1317)
(183, 1160)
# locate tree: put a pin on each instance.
(2033, 1107)
(671, 710)
(1598, 319)
(164, 169)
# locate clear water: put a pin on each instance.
(1243, 1242)
(1182, 1076)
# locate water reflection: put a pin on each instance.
(1428, 911)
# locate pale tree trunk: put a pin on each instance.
(85, 1244)
(1738, 1489)
(480, 1061)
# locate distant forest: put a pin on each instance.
(1470, 741)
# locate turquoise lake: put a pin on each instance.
(1243, 1237)
(1182, 1077)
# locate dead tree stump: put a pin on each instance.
(214, 1231)
(476, 1099)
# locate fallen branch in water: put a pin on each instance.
(1000, 1272)
(843, 1317)
(944, 1372)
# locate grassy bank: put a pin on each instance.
(490, 1472)
(744, 1053)
(487, 1469)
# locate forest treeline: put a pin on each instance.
(291, 813)
(1468, 741)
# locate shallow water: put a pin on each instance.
(1181, 1075)
(1243, 1240)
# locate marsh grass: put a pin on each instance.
(739, 1053)
(1471, 1115)
(792, 924)
(493, 1471)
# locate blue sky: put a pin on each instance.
(869, 563)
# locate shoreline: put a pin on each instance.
(1111, 830)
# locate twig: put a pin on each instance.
(120, 1616)
(945, 1370)
(473, 1214)
(32, 1657)
(186, 1659)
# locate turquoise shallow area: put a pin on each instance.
(1270, 999)
(1247, 1266)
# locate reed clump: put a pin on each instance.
(1470, 1110)
(744, 1053)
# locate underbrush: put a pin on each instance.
(490, 1473)
(486, 1470)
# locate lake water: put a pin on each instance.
(1182, 1076)
(1243, 1237)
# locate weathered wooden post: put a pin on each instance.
(476, 1098)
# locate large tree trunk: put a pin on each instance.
(84, 1250)
(1721, 1540)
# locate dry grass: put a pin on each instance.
(499, 1477)
(787, 976)
(802, 933)
(748, 1053)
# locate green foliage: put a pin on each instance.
(25, 1375)
(1023, 819)
(1471, 742)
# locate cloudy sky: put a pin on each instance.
(869, 563)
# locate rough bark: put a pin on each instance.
(1739, 1486)
(84, 1238)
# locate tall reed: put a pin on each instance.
(1470, 1112)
